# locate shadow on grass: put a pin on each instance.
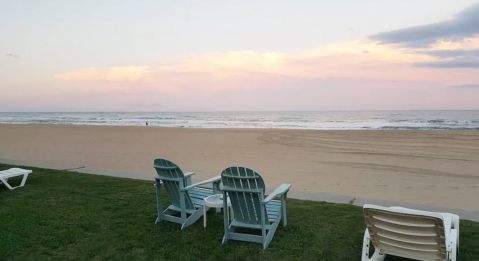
(60, 215)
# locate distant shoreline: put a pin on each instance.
(248, 128)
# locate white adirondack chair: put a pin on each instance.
(13, 172)
(410, 233)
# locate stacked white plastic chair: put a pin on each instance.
(410, 233)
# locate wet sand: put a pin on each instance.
(438, 168)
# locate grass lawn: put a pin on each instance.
(60, 215)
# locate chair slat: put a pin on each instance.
(165, 168)
(240, 177)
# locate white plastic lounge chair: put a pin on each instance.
(13, 172)
(410, 233)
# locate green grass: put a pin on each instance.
(60, 215)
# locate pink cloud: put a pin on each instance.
(362, 58)
(113, 74)
(359, 74)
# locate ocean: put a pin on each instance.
(355, 120)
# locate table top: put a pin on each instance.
(216, 201)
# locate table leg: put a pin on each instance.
(204, 215)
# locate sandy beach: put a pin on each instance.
(439, 168)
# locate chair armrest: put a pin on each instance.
(277, 192)
(188, 174)
(188, 178)
(211, 180)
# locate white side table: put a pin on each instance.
(215, 201)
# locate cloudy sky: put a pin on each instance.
(153, 55)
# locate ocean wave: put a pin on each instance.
(156, 118)
(440, 120)
(427, 128)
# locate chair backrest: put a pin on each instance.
(246, 190)
(405, 233)
(168, 170)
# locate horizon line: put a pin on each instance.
(238, 111)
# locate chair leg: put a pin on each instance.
(366, 242)
(24, 179)
(225, 239)
(283, 210)
(159, 204)
(263, 225)
(270, 233)
(183, 208)
(454, 245)
(225, 218)
(455, 222)
(453, 255)
(192, 218)
(4, 181)
(378, 256)
(366, 246)
(204, 215)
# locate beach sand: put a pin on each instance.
(439, 168)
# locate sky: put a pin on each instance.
(220, 55)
